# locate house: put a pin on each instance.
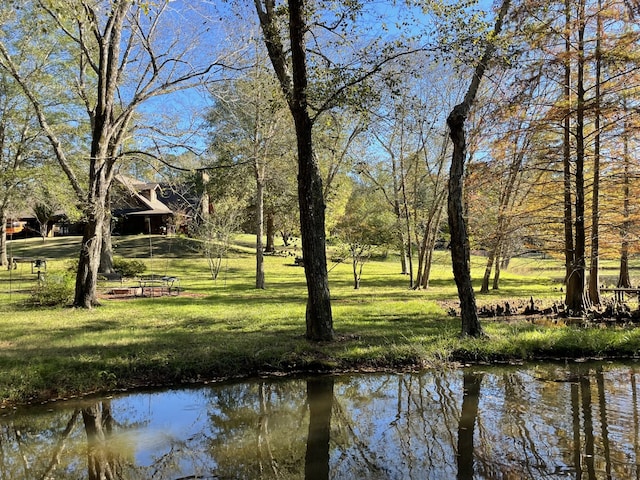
(26, 224)
(136, 207)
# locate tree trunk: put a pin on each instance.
(354, 264)
(402, 251)
(271, 234)
(624, 279)
(397, 210)
(89, 261)
(569, 250)
(594, 264)
(575, 283)
(427, 243)
(259, 233)
(319, 318)
(460, 251)
(204, 200)
(434, 228)
(487, 271)
(95, 213)
(3, 238)
(106, 252)
(496, 275)
(319, 321)
(406, 217)
(423, 247)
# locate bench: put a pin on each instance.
(620, 292)
(162, 284)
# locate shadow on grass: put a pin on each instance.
(182, 348)
(52, 248)
(522, 288)
(155, 357)
(141, 246)
(199, 347)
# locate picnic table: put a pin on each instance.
(38, 265)
(160, 284)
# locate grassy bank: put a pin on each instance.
(227, 328)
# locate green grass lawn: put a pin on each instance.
(226, 328)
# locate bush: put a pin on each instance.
(54, 290)
(71, 266)
(129, 268)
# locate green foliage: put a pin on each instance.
(71, 265)
(129, 268)
(461, 29)
(367, 220)
(52, 291)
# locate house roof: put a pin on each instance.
(144, 196)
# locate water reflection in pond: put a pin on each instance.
(551, 421)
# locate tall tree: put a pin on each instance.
(594, 264)
(506, 176)
(569, 241)
(19, 154)
(122, 61)
(407, 159)
(294, 83)
(435, 178)
(284, 27)
(460, 252)
(577, 264)
(624, 279)
(247, 125)
(365, 224)
(398, 134)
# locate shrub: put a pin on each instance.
(129, 268)
(71, 265)
(54, 290)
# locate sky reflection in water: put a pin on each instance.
(550, 421)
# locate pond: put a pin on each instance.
(573, 420)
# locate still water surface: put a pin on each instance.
(579, 421)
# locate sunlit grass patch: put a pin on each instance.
(226, 327)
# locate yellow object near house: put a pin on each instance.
(14, 227)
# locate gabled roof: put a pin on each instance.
(144, 197)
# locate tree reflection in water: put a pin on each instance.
(320, 401)
(547, 421)
(102, 461)
(466, 429)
